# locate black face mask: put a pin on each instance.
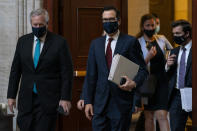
(179, 39)
(149, 33)
(40, 31)
(110, 27)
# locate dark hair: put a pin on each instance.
(155, 15)
(142, 21)
(107, 8)
(186, 26)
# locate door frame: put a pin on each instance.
(52, 7)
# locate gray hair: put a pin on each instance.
(38, 12)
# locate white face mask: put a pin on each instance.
(157, 29)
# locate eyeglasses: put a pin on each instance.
(109, 19)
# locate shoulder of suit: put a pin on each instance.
(159, 36)
(99, 39)
(127, 36)
(124, 36)
(49, 34)
(55, 36)
(26, 36)
(175, 49)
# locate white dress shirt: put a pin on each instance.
(113, 43)
(42, 40)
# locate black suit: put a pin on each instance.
(178, 117)
(53, 76)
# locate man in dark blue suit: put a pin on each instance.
(179, 69)
(110, 106)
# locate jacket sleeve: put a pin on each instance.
(137, 56)
(66, 68)
(91, 76)
(83, 89)
(15, 73)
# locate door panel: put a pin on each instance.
(88, 21)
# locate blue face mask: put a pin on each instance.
(157, 29)
(39, 32)
(110, 27)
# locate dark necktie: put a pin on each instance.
(109, 53)
(36, 58)
(182, 70)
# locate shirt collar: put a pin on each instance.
(115, 37)
(188, 46)
(42, 39)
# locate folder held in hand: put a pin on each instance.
(121, 66)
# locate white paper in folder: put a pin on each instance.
(186, 98)
(121, 66)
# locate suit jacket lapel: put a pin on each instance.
(45, 47)
(102, 50)
(118, 44)
(189, 61)
(29, 50)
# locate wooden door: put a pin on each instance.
(79, 21)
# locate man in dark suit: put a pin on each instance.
(110, 106)
(43, 65)
(179, 69)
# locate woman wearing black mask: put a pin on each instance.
(154, 49)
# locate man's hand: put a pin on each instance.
(80, 104)
(171, 60)
(12, 104)
(66, 105)
(129, 84)
(89, 111)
